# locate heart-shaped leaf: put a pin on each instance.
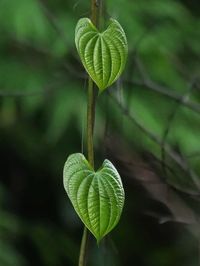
(97, 197)
(103, 54)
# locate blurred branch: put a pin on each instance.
(20, 93)
(169, 151)
(146, 82)
(171, 118)
(46, 52)
(184, 70)
(193, 155)
(166, 92)
(53, 21)
(146, 174)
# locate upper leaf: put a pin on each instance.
(103, 54)
(97, 197)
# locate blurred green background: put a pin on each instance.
(148, 124)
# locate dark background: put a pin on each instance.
(147, 124)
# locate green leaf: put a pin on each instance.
(97, 197)
(103, 54)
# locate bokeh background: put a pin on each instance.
(147, 124)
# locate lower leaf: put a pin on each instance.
(97, 197)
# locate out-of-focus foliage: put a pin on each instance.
(155, 111)
(9, 227)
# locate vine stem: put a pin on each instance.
(90, 150)
(83, 249)
(90, 121)
(96, 7)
